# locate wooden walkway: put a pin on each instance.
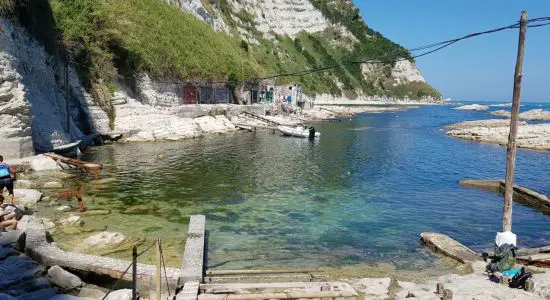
(71, 163)
(265, 120)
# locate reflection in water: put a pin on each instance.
(353, 196)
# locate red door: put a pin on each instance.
(189, 94)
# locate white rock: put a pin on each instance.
(535, 114)
(472, 107)
(64, 279)
(71, 220)
(27, 196)
(125, 294)
(533, 136)
(105, 238)
(64, 208)
(43, 163)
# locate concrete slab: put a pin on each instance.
(193, 257)
(449, 247)
(190, 291)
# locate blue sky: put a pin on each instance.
(481, 68)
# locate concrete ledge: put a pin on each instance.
(449, 247)
(521, 195)
(193, 257)
(39, 247)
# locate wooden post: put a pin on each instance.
(134, 273)
(158, 278)
(511, 158)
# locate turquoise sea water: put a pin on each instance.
(362, 193)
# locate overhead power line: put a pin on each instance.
(439, 45)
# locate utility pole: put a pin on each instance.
(511, 152)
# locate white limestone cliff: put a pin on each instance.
(33, 112)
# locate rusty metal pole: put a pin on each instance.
(511, 152)
(134, 273)
(158, 276)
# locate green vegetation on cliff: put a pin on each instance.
(112, 38)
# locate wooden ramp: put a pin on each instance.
(71, 163)
(265, 120)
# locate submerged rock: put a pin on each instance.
(53, 185)
(24, 184)
(71, 230)
(71, 220)
(137, 209)
(105, 243)
(63, 175)
(95, 212)
(472, 107)
(104, 239)
(64, 279)
(64, 208)
(104, 181)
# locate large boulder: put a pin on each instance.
(43, 163)
(64, 279)
(27, 196)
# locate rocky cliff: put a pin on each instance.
(72, 68)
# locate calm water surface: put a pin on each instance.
(361, 194)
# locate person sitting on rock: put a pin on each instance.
(7, 177)
(8, 216)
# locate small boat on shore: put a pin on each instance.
(245, 127)
(68, 150)
(299, 131)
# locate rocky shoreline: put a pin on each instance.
(496, 131)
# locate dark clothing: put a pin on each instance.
(6, 183)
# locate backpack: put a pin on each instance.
(519, 280)
(504, 258)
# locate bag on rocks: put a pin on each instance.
(504, 258)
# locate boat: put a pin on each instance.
(299, 131)
(245, 127)
(68, 150)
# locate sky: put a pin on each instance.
(478, 69)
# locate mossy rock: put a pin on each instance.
(63, 175)
(95, 212)
(125, 245)
(71, 230)
(93, 228)
(137, 209)
(104, 181)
